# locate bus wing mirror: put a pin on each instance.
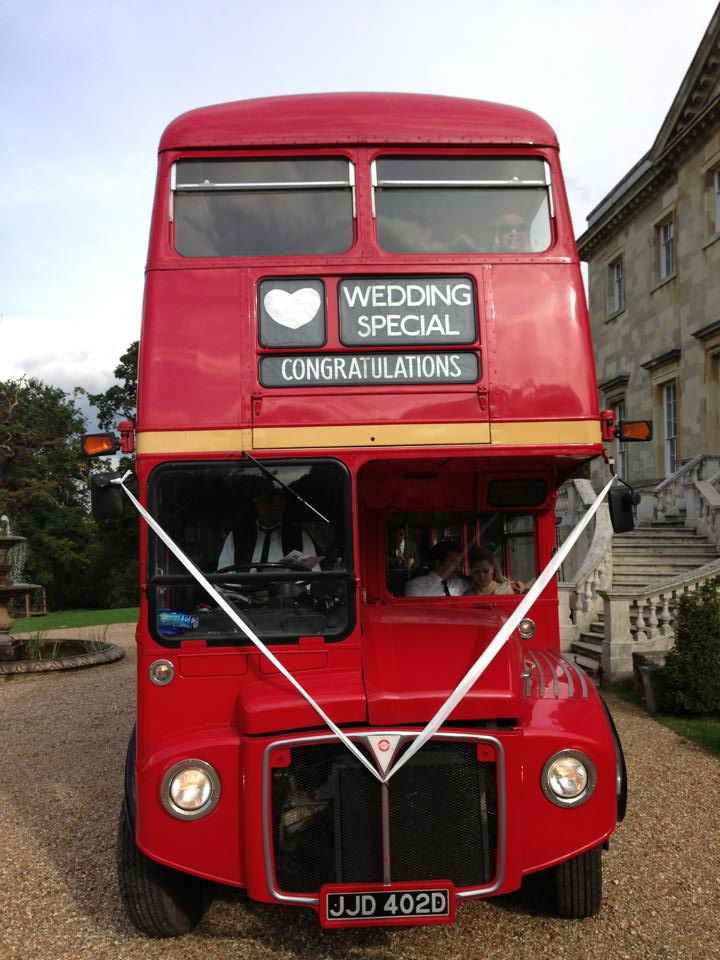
(634, 430)
(622, 501)
(99, 444)
(106, 498)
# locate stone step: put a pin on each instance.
(661, 565)
(639, 583)
(654, 569)
(588, 650)
(589, 665)
(681, 548)
(665, 539)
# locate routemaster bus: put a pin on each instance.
(365, 369)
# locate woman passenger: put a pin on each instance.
(486, 576)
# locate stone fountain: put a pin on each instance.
(11, 648)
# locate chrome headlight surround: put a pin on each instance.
(213, 783)
(590, 778)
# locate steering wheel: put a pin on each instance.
(277, 565)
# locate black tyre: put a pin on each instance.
(159, 901)
(576, 885)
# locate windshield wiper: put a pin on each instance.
(290, 490)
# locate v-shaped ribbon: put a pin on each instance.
(470, 678)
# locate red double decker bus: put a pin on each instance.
(365, 369)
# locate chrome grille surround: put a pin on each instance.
(361, 736)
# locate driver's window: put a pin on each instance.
(264, 538)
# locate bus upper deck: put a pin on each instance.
(361, 262)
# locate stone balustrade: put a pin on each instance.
(588, 569)
(644, 622)
(675, 496)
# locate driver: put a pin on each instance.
(268, 536)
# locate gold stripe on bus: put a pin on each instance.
(193, 441)
(372, 435)
(545, 433)
(519, 434)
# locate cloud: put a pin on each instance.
(39, 346)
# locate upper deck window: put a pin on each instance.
(273, 207)
(462, 204)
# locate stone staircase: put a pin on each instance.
(651, 554)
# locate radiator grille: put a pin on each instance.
(326, 818)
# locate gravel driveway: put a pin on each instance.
(64, 739)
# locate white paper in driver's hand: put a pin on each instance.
(307, 560)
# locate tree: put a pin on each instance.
(43, 485)
(118, 402)
(115, 548)
(691, 675)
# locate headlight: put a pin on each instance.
(190, 789)
(568, 778)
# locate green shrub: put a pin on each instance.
(692, 668)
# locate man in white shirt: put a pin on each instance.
(269, 537)
(443, 579)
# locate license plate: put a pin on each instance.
(387, 905)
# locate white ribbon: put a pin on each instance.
(249, 633)
(470, 678)
(500, 638)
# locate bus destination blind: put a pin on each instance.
(402, 312)
(358, 369)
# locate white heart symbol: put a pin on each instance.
(292, 310)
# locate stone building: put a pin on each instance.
(653, 249)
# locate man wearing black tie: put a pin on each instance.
(442, 580)
(269, 536)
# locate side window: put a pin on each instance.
(457, 554)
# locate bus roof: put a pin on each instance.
(356, 118)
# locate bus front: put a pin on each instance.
(365, 368)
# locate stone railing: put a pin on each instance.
(672, 496)
(644, 622)
(703, 507)
(587, 570)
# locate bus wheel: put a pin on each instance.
(159, 901)
(576, 885)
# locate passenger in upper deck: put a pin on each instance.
(443, 579)
(269, 535)
(512, 234)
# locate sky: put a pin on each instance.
(89, 85)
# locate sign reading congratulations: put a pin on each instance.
(407, 310)
(351, 369)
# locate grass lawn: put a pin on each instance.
(74, 618)
(704, 731)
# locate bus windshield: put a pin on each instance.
(284, 568)
(462, 204)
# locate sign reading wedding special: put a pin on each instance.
(404, 311)
(353, 369)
